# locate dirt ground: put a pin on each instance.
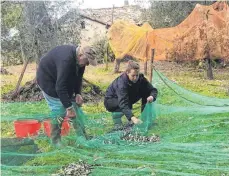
(31, 92)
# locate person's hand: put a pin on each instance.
(150, 99)
(71, 113)
(79, 100)
(136, 120)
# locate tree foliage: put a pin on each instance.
(31, 28)
(10, 17)
(163, 14)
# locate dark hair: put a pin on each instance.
(132, 65)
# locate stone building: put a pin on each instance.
(94, 31)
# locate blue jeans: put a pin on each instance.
(57, 111)
(56, 107)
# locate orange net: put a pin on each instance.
(205, 29)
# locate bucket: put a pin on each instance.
(64, 129)
(27, 127)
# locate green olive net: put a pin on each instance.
(183, 133)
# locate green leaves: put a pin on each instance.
(11, 14)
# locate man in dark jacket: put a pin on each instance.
(59, 76)
(126, 90)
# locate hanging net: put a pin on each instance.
(206, 29)
(182, 133)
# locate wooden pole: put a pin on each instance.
(112, 16)
(95, 20)
(147, 58)
(20, 79)
(151, 65)
(145, 67)
(209, 62)
(106, 56)
(107, 51)
(209, 66)
(146, 54)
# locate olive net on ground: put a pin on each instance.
(183, 133)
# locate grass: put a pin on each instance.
(190, 143)
(8, 82)
(195, 80)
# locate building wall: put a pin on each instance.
(94, 31)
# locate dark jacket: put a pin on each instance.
(128, 92)
(59, 74)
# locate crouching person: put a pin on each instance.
(125, 91)
(59, 76)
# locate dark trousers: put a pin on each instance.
(111, 104)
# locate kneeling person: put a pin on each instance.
(125, 91)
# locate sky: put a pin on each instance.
(104, 3)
